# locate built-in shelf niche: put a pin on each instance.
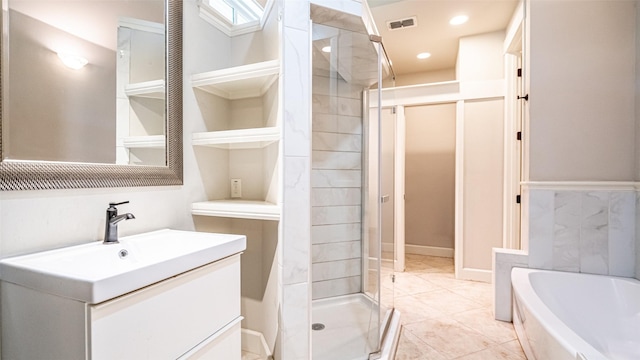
(149, 142)
(241, 209)
(245, 133)
(238, 139)
(239, 82)
(154, 89)
(140, 95)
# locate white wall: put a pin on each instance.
(483, 181)
(41, 220)
(480, 57)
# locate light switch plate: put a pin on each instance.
(236, 188)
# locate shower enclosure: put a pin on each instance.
(352, 287)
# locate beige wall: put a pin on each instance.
(481, 57)
(637, 104)
(582, 90)
(637, 177)
(430, 175)
(425, 77)
(57, 113)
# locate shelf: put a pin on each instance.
(149, 142)
(238, 82)
(238, 139)
(240, 209)
(148, 89)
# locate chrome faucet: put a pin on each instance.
(111, 225)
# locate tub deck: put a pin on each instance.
(558, 315)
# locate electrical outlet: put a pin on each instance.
(236, 188)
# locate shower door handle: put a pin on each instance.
(385, 198)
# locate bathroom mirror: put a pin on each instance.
(91, 94)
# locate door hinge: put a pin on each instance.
(393, 278)
(519, 135)
(393, 110)
(520, 72)
(517, 199)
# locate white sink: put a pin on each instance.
(95, 272)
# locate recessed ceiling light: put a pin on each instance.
(458, 20)
(424, 55)
(326, 49)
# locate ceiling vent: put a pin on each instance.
(402, 23)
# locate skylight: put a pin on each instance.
(237, 12)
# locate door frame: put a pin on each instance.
(514, 147)
(432, 94)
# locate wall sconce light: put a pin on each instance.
(71, 61)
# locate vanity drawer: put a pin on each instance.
(167, 319)
(225, 344)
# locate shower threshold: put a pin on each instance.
(346, 334)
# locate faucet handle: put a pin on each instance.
(112, 204)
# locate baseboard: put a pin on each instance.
(428, 250)
(254, 342)
(475, 275)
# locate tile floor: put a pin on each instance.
(250, 356)
(445, 318)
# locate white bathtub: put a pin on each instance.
(561, 315)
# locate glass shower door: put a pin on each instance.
(379, 212)
(387, 205)
(346, 250)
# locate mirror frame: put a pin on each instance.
(43, 175)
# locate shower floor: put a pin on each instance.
(346, 336)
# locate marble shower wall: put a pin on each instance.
(583, 231)
(295, 238)
(336, 188)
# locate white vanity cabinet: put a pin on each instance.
(194, 315)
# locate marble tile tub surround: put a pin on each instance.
(504, 260)
(590, 231)
(577, 228)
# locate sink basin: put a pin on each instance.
(95, 272)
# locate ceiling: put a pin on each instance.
(95, 21)
(433, 33)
